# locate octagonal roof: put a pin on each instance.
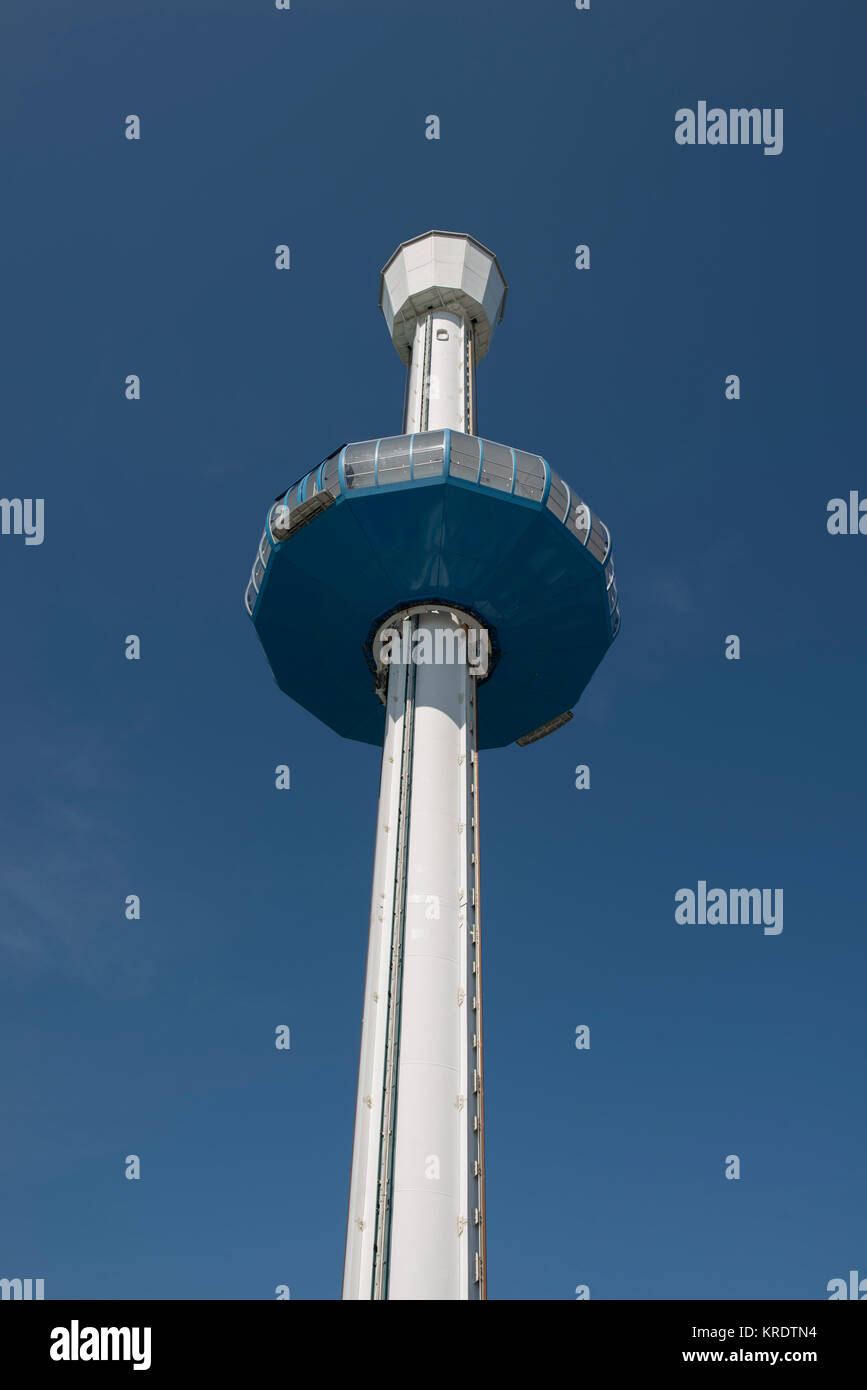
(445, 270)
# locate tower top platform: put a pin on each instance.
(447, 271)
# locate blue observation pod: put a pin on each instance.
(444, 518)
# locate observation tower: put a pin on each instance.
(435, 593)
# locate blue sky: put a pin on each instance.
(156, 777)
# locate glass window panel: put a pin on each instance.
(594, 544)
(331, 476)
(278, 520)
(258, 571)
(393, 464)
(427, 454)
(530, 476)
(579, 520)
(557, 498)
(250, 598)
(464, 462)
(497, 466)
(358, 464)
(264, 548)
(598, 540)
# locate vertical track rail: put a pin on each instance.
(470, 381)
(403, 427)
(379, 1288)
(483, 1257)
(425, 377)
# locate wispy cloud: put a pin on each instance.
(64, 867)
(671, 593)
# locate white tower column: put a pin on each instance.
(440, 392)
(416, 1212)
(416, 1223)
